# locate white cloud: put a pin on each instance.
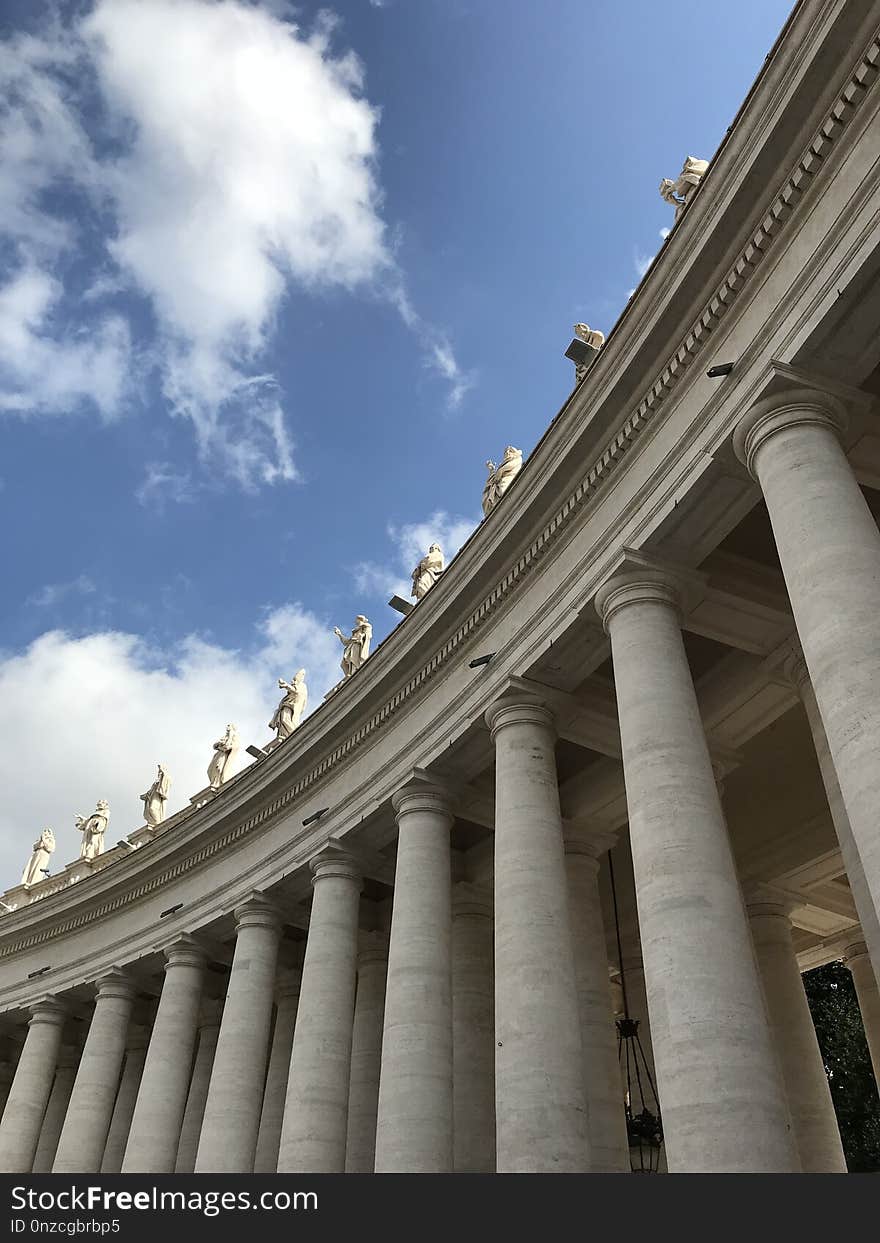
(89, 718)
(47, 370)
(53, 593)
(664, 233)
(242, 162)
(412, 540)
(162, 483)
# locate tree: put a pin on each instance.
(838, 1021)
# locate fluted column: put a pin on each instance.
(366, 1053)
(806, 1084)
(414, 1126)
(539, 1097)
(53, 1119)
(84, 1134)
(123, 1108)
(272, 1115)
(473, 1030)
(710, 1034)
(31, 1087)
(316, 1110)
(606, 1121)
(865, 983)
(191, 1128)
(161, 1100)
(228, 1140)
(829, 550)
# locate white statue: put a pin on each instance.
(289, 712)
(426, 573)
(93, 828)
(155, 797)
(501, 477)
(592, 337)
(680, 192)
(38, 863)
(223, 759)
(357, 647)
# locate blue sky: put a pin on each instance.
(274, 283)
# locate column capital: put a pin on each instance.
(372, 947)
(640, 578)
(794, 668)
(49, 1010)
(761, 899)
(115, 983)
(855, 951)
(469, 899)
(185, 951)
(422, 796)
(798, 407)
(583, 839)
(505, 712)
(210, 1012)
(333, 862)
(256, 911)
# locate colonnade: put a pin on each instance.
(476, 1032)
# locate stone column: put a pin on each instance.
(316, 1110)
(865, 982)
(228, 1140)
(473, 1030)
(29, 1094)
(366, 1053)
(84, 1134)
(53, 1119)
(806, 1084)
(8, 1057)
(724, 1109)
(540, 1116)
(796, 670)
(829, 550)
(272, 1116)
(191, 1128)
(606, 1120)
(158, 1113)
(123, 1109)
(414, 1126)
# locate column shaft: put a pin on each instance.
(161, 1100)
(228, 1140)
(539, 1096)
(53, 1119)
(829, 550)
(710, 1033)
(31, 1087)
(123, 1108)
(473, 1031)
(316, 1110)
(606, 1121)
(200, 1079)
(806, 1084)
(272, 1115)
(84, 1134)
(414, 1127)
(865, 982)
(366, 1055)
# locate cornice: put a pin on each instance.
(783, 206)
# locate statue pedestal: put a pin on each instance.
(204, 796)
(141, 836)
(78, 871)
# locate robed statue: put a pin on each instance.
(38, 864)
(93, 828)
(289, 712)
(155, 798)
(223, 759)
(356, 647)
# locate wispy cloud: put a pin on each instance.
(53, 593)
(163, 484)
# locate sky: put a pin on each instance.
(275, 281)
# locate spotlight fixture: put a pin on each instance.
(257, 752)
(316, 815)
(127, 845)
(42, 971)
(402, 606)
(581, 353)
(170, 910)
(481, 660)
(45, 871)
(719, 370)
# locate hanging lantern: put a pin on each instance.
(641, 1105)
(643, 1128)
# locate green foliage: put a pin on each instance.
(838, 1022)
